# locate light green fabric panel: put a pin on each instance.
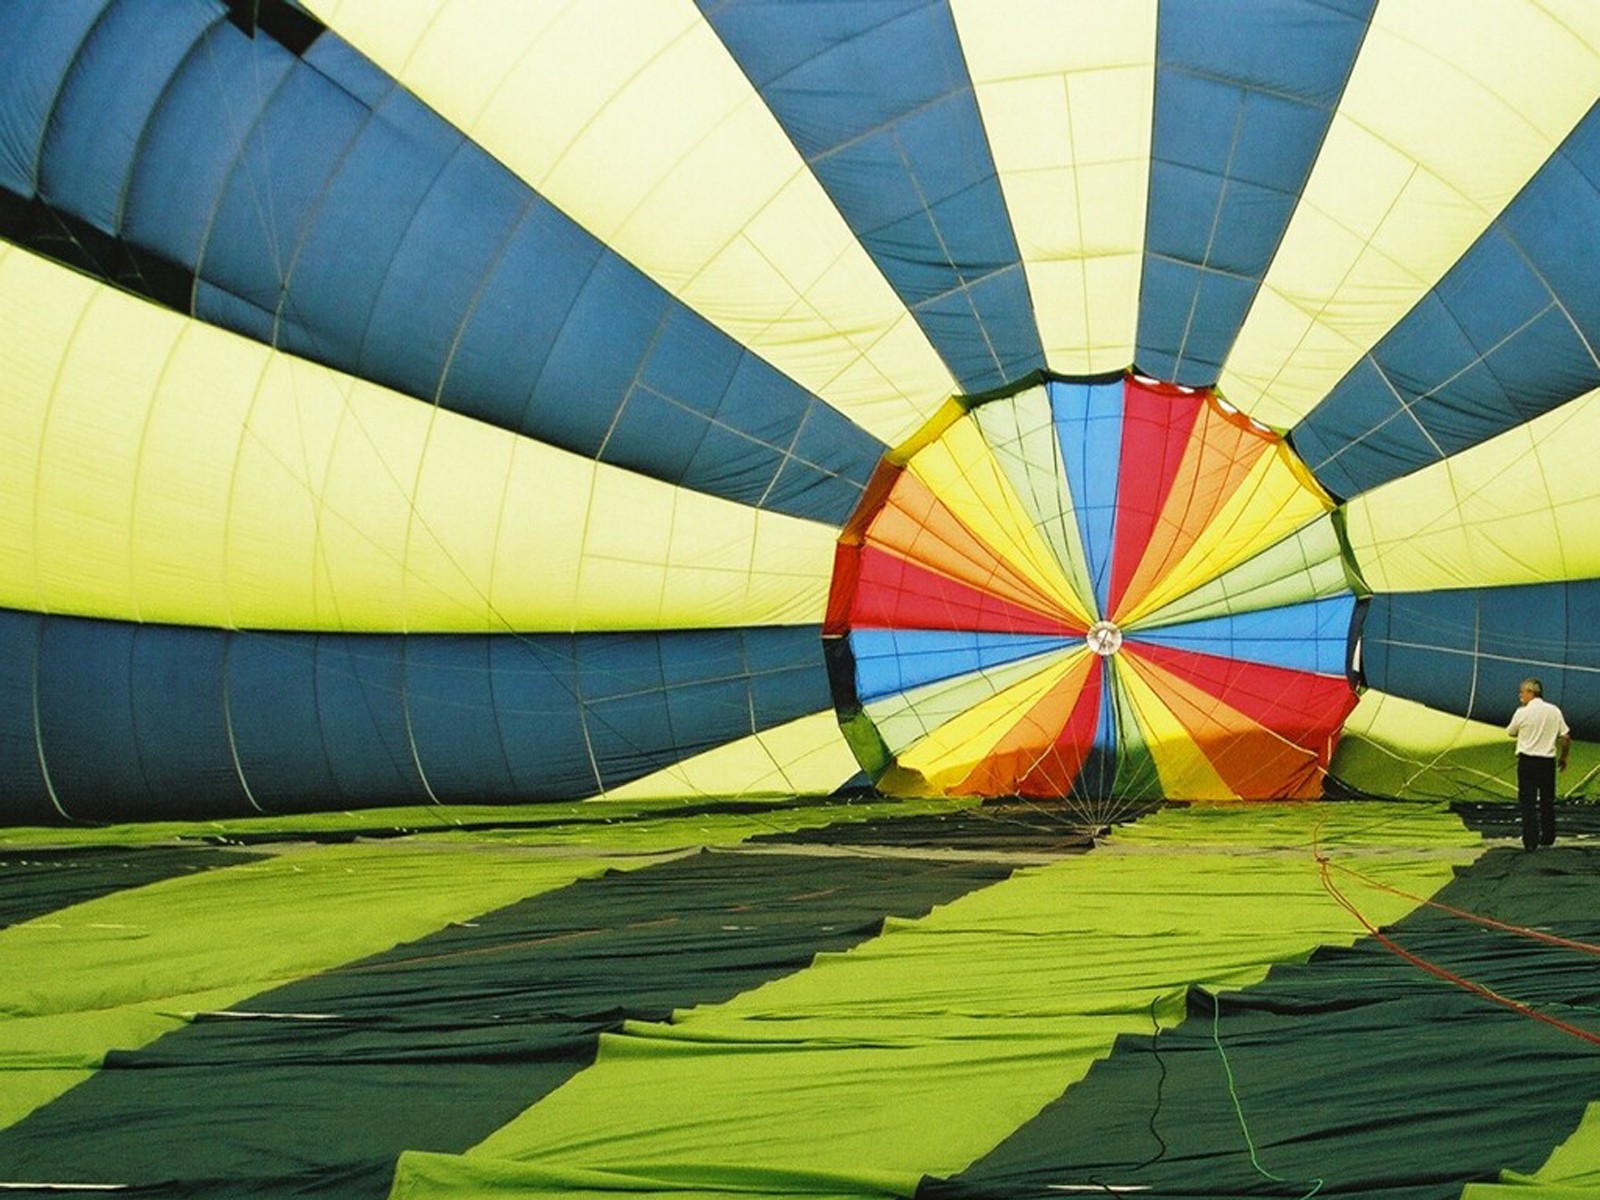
(921, 1050)
(1306, 565)
(1022, 435)
(905, 718)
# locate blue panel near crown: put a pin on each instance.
(1466, 651)
(1505, 336)
(1088, 420)
(142, 721)
(875, 95)
(896, 660)
(1299, 637)
(317, 206)
(1244, 94)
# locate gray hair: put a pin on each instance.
(1533, 685)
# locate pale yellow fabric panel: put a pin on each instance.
(806, 757)
(1450, 109)
(649, 135)
(1181, 763)
(160, 469)
(1276, 498)
(960, 470)
(1519, 508)
(1067, 91)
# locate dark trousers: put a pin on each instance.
(1536, 793)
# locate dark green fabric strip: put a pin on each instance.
(438, 1042)
(36, 882)
(1355, 1074)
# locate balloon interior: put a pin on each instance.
(807, 600)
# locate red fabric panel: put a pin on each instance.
(1253, 761)
(1157, 422)
(1302, 707)
(1220, 454)
(892, 593)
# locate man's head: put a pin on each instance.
(1530, 688)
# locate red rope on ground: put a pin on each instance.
(1422, 964)
(1521, 930)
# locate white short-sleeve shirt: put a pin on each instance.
(1537, 725)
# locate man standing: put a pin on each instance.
(1543, 740)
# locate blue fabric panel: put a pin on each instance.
(136, 720)
(1466, 651)
(450, 698)
(623, 684)
(87, 726)
(327, 211)
(176, 678)
(1243, 98)
(1088, 420)
(24, 794)
(178, 176)
(788, 675)
(277, 730)
(361, 700)
(896, 660)
(1504, 337)
(540, 717)
(38, 41)
(876, 97)
(98, 124)
(1300, 637)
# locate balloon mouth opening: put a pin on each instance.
(1104, 638)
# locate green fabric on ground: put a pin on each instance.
(1357, 1072)
(564, 822)
(921, 1050)
(436, 1043)
(35, 882)
(117, 972)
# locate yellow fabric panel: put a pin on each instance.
(961, 471)
(1450, 109)
(160, 469)
(651, 137)
(1275, 499)
(1067, 91)
(947, 755)
(805, 757)
(1519, 508)
(1184, 769)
